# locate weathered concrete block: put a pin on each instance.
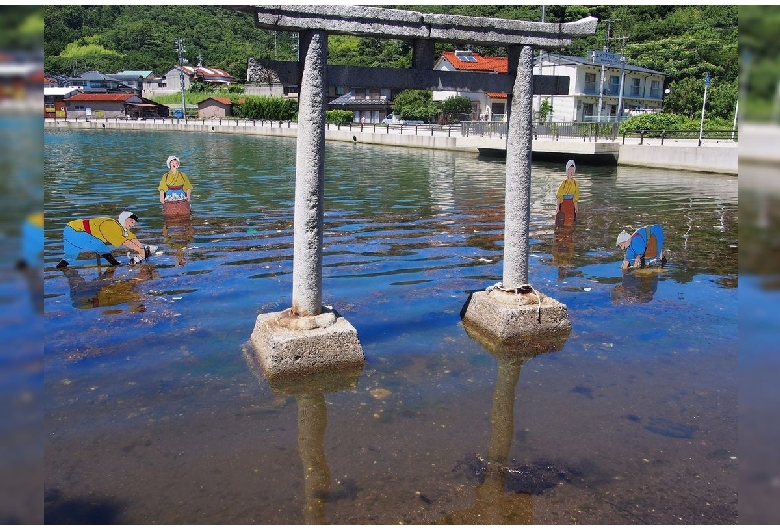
(289, 346)
(503, 319)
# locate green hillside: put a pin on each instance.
(685, 42)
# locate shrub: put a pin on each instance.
(338, 117)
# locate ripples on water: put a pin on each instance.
(154, 415)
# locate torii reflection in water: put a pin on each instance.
(309, 391)
(501, 498)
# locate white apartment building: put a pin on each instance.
(595, 87)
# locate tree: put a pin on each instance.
(416, 105)
(545, 110)
(685, 97)
(454, 105)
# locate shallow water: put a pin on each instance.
(157, 413)
(759, 353)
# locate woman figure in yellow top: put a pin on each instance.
(567, 197)
(174, 185)
(175, 190)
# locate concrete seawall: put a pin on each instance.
(712, 156)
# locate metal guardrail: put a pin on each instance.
(682, 134)
(586, 132)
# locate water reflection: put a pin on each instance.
(504, 492)
(107, 288)
(177, 233)
(639, 286)
(563, 250)
(310, 392)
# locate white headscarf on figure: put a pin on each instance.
(124, 216)
(622, 238)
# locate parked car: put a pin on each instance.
(177, 113)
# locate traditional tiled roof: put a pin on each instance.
(479, 64)
(497, 95)
(350, 99)
(224, 101)
(102, 97)
(207, 73)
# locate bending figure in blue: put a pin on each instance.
(642, 247)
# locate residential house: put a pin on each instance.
(592, 81)
(594, 87)
(119, 106)
(93, 82)
(370, 105)
(215, 107)
(54, 100)
(484, 105)
(171, 81)
(134, 79)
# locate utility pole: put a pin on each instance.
(704, 104)
(603, 73)
(624, 38)
(180, 49)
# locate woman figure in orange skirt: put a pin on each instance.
(568, 196)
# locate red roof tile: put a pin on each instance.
(497, 95)
(482, 64)
(101, 97)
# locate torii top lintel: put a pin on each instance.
(400, 24)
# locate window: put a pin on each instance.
(590, 82)
(655, 89)
(614, 85)
(635, 82)
(587, 110)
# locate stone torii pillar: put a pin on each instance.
(308, 337)
(512, 310)
(310, 177)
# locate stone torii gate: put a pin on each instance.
(309, 337)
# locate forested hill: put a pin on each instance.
(682, 41)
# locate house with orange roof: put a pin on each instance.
(170, 82)
(215, 107)
(120, 106)
(490, 106)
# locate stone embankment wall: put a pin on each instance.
(712, 156)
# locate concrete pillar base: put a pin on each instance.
(530, 321)
(295, 346)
